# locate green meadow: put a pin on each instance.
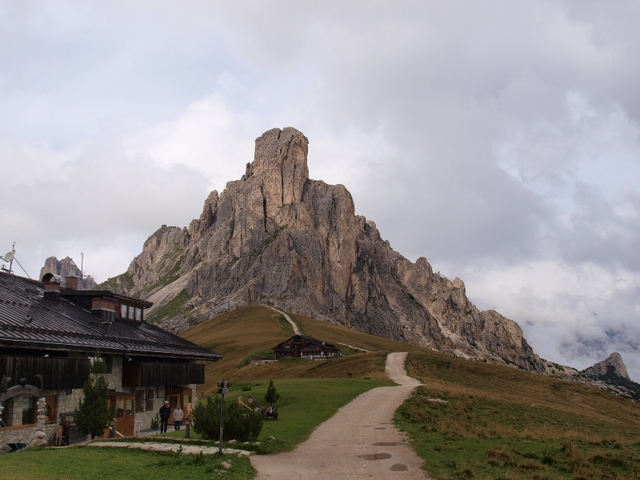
(469, 420)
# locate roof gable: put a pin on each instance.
(28, 320)
(305, 341)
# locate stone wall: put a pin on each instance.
(114, 379)
(26, 435)
(67, 403)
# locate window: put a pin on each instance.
(7, 414)
(119, 408)
(123, 311)
(51, 408)
(29, 410)
(109, 361)
(140, 401)
(150, 398)
(139, 314)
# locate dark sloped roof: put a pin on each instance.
(307, 340)
(28, 320)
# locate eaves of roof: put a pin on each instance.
(28, 320)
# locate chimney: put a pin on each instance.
(104, 309)
(52, 291)
(72, 282)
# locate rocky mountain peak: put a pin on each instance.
(275, 237)
(282, 154)
(612, 366)
(64, 268)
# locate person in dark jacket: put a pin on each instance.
(165, 413)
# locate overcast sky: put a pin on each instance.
(498, 139)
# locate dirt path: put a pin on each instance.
(296, 330)
(359, 441)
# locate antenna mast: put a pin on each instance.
(8, 257)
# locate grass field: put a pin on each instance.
(473, 420)
(469, 420)
(88, 463)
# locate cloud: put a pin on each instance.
(59, 203)
(500, 140)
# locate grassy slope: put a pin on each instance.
(249, 330)
(474, 420)
(497, 422)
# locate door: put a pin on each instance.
(124, 413)
(182, 397)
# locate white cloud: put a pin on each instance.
(500, 140)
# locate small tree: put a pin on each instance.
(92, 414)
(271, 397)
(239, 423)
(98, 365)
(155, 423)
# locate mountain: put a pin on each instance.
(611, 374)
(276, 237)
(64, 268)
(610, 367)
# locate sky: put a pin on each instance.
(498, 139)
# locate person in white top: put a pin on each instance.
(178, 413)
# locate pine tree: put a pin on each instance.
(271, 397)
(239, 423)
(92, 414)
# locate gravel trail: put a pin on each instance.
(359, 441)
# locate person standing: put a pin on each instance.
(165, 413)
(177, 417)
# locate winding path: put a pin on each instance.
(359, 441)
(296, 330)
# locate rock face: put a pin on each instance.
(64, 268)
(276, 237)
(612, 366)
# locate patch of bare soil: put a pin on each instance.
(359, 441)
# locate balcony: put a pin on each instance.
(148, 374)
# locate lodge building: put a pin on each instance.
(49, 336)
(304, 346)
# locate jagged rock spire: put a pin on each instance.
(612, 365)
(276, 237)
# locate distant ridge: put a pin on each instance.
(278, 238)
(612, 366)
(64, 268)
(611, 373)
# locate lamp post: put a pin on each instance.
(222, 389)
(187, 425)
(113, 424)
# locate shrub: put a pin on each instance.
(155, 423)
(271, 397)
(239, 423)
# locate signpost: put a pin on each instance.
(223, 389)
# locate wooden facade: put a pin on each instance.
(56, 373)
(148, 374)
(303, 346)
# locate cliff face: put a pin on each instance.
(276, 237)
(612, 366)
(64, 268)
